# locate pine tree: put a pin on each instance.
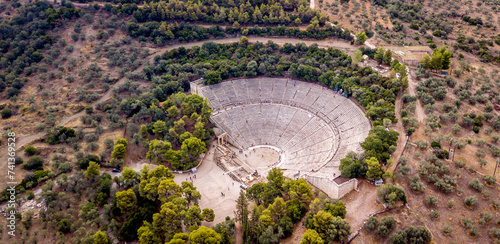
(379, 55)
(241, 214)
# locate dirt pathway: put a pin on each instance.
(402, 133)
(412, 84)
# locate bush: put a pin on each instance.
(447, 229)
(442, 154)
(420, 233)
(475, 184)
(6, 113)
(466, 222)
(490, 179)
(388, 222)
(435, 214)
(30, 150)
(391, 194)
(416, 184)
(460, 164)
(421, 144)
(431, 200)
(485, 218)
(372, 223)
(495, 233)
(450, 204)
(33, 163)
(473, 232)
(485, 194)
(64, 226)
(435, 144)
(30, 195)
(470, 201)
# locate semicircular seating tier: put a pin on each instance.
(314, 127)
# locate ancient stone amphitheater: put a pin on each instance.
(311, 126)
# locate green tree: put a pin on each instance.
(244, 41)
(159, 128)
(426, 61)
(190, 192)
(172, 112)
(126, 201)
(143, 131)
(391, 194)
(193, 147)
(445, 57)
(128, 176)
(321, 223)
(298, 190)
(119, 152)
(204, 235)
(379, 55)
(352, 167)
(199, 130)
(30, 150)
(100, 238)
(93, 170)
(339, 229)
(387, 57)
(122, 141)
(374, 171)
(356, 58)
(311, 237)
(157, 149)
(337, 209)
(212, 77)
(241, 215)
(361, 38)
(6, 113)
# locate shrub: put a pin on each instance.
(475, 184)
(490, 179)
(391, 194)
(416, 184)
(447, 229)
(495, 233)
(382, 231)
(472, 169)
(30, 195)
(473, 232)
(435, 144)
(420, 233)
(371, 224)
(485, 218)
(485, 194)
(388, 222)
(450, 204)
(6, 113)
(460, 164)
(442, 154)
(496, 205)
(64, 226)
(33, 163)
(470, 201)
(30, 150)
(431, 200)
(421, 144)
(468, 223)
(435, 214)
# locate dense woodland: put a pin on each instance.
(25, 36)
